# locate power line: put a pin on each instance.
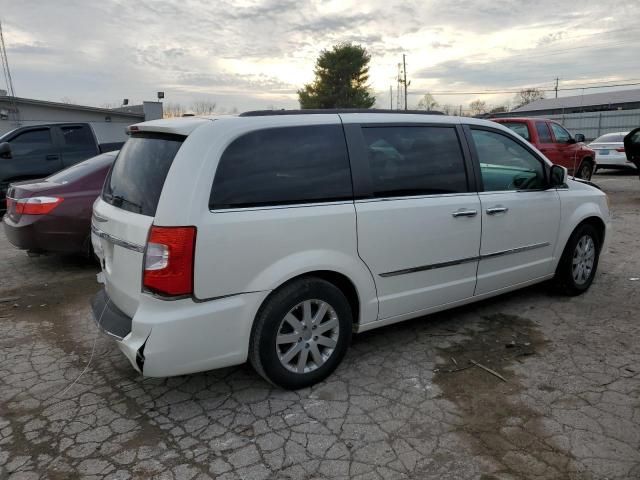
(487, 92)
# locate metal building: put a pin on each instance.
(19, 112)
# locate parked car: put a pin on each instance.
(632, 147)
(273, 236)
(32, 152)
(54, 214)
(556, 143)
(609, 150)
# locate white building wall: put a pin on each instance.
(112, 125)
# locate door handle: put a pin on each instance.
(465, 213)
(52, 157)
(496, 210)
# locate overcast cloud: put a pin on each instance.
(255, 54)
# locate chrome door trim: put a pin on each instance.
(515, 250)
(117, 241)
(430, 267)
(452, 263)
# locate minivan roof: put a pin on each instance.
(317, 111)
(186, 125)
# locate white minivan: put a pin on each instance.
(273, 236)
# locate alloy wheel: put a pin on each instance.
(307, 336)
(584, 257)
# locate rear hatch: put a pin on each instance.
(124, 213)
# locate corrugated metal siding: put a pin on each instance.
(592, 125)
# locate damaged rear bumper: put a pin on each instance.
(115, 323)
(177, 337)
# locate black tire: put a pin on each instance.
(585, 172)
(564, 277)
(263, 350)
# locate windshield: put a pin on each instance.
(137, 176)
(4, 137)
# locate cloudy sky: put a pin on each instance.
(252, 54)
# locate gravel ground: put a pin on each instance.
(407, 402)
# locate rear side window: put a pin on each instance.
(138, 174)
(77, 136)
(415, 160)
(544, 136)
(520, 128)
(283, 166)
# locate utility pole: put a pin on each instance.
(399, 87)
(556, 89)
(7, 78)
(404, 68)
(390, 97)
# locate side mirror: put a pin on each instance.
(5, 150)
(558, 176)
(578, 137)
(632, 146)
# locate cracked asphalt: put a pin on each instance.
(407, 402)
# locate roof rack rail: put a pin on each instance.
(315, 111)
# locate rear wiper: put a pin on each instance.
(121, 200)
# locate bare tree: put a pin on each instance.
(172, 109)
(448, 109)
(67, 100)
(478, 107)
(203, 107)
(527, 95)
(427, 102)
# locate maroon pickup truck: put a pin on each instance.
(556, 143)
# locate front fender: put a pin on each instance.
(574, 212)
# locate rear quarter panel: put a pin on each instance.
(251, 250)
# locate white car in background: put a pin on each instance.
(609, 150)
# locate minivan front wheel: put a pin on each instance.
(301, 333)
(579, 261)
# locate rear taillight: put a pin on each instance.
(168, 261)
(620, 149)
(33, 205)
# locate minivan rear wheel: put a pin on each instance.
(301, 333)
